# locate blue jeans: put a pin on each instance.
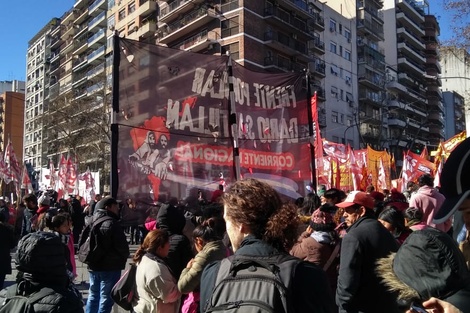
(99, 297)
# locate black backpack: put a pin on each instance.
(124, 291)
(253, 284)
(87, 252)
(19, 303)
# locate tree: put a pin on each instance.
(460, 26)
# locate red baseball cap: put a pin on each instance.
(357, 197)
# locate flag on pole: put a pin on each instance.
(62, 174)
(425, 154)
(71, 178)
(26, 181)
(12, 168)
(382, 178)
(437, 174)
(53, 177)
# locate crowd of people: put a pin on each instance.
(330, 251)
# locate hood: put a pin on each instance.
(171, 219)
(428, 191)
(428, 264)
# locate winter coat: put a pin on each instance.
(29, 218)
(156, 287)
(359, 287)
(61, 301)
(310, 289)
(111, 242)
(190, 278)
(7, 242)
(172, 220)
(429, 201)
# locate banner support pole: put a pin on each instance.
(233, 120)
(311, 133)
(114, 179)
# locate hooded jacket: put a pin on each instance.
(171, 219)
(429, 201)
(428, 264)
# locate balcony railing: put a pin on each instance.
(100, 16)
(96, 52)
(101, 32)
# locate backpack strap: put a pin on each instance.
(44, 292)
(99, 221)
(332, 257)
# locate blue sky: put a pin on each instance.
(22, 19)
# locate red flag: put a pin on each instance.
(355, 169)
(437, 175)
(382, 178)
(26, 182)
(2, 166)
(71, 180)
(62, 174)
(425, 154)
(52, 175)
(317, 143)
(12, 168)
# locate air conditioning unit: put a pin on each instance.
(136, 28)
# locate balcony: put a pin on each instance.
(371, 9)
(282, 42)
(436, 117)
(318, 22)
(97, 7)
(397, 122)
(185, 26)
(409, 65)
(199, 42)
(434, 91)
(82, 15)
(176, 9)
(317, 68)
(95, 40)
(80, 30)
(99, 20)
(299, 7)
(410, 51)
(80, 45)
(317, 46)
(56, 41)
(281, 18)
(146, 7)
(371, 97)
(147, 29)
(79, 78)
(436, 130)
(409, 23)
(95, 55)
(397, 86)
(435, 103)
(404, 34)
(433, 62)
(370, 28)
(370, 79)
(279, 63)
(412, 9)
(95, 71)
(78, 63)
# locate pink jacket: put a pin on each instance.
(429, 201)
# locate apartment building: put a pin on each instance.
(341, 78)
(455, 76)
(454, 105)
(37, 82)
(12, 121)
(12, 85)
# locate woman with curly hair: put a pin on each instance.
(261, 227)
(156, 287)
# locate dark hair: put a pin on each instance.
(334, 193)
(310, 204)
(58, 220)
(154, 239)
(394, 217)
(370, 188)
(426, 180)
(210, 230)
(30, 198)
(258, 206)
(413, 215)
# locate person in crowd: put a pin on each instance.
(334, 195)
(319, 244)
(78, 218)
(4, 210)
(310, 204)
(429, 200)
(43, 207)
(171, 219)
(428, 264)
(394, 222)
(90, 208)
(157, 291)
(397, 200)
(366, 241)
(207, 238)
(7, 242)
(258, 224)
(437, 306)
(41, 258)
(112, 245)
(20, 209)
(411, 188)
(217, 193)
(63, 205)
(30, 216)
(370, 189)
(414, 219)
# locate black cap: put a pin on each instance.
(105, 202)
(456, 181)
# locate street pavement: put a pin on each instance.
(81, 281)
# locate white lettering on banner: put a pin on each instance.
(424, 169)
(267, 160)
(246, 129)
(277, 130)
(204, 153)
(215, 86)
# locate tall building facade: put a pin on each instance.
(12, 85)
(454, 105)
(12, 121)
(37, 92)
(455, 64)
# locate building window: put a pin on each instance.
(131, 7)
(334, 70)
(347, 34)
(230, 27)
(347, 55)
(333, 47)
(334, 117)
(334, 92)
(234, 50)
(229, 5)
(340, 50)
(332, 25)
(122, 14)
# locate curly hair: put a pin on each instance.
(258, 206)
(154, 239)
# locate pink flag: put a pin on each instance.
(355, 169)
(71, 179)
(52, 175)
(12, 168)
(62, 174)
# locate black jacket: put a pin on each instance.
(62, 300)
(172, 220)
(7, 242)
(111, 243)
(359, 287)
(311, 291)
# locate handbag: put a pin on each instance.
(124, 291)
